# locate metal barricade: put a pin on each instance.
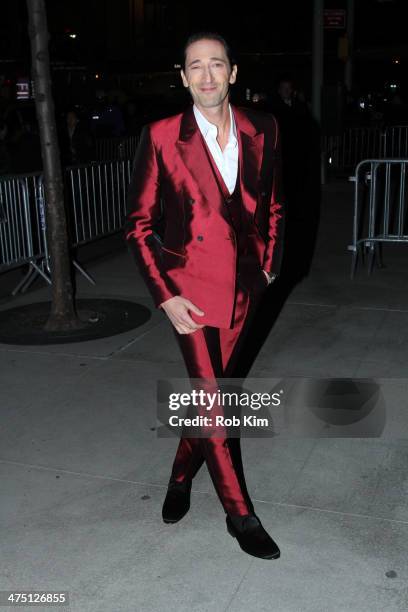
(396, 141)
(96, 199)
(45, 263)
(22, 239)
(344, 151)
(108, 149)
(18, 236)
(380, 208)
(96, 205)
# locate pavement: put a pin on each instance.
(84, 474)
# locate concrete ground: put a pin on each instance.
(83, 473)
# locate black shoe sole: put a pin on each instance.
(168, 522)
(232, 532)
(171, 521)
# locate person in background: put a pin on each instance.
(301, 175)
(79, 146)
(132, 119)
(23, 142)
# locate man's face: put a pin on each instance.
(208, 73)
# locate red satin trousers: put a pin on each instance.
(211, 353)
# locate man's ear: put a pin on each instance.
(233, 75)
(183, 78)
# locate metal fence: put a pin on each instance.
(380, 209)
(96, 199)
(107, 149)
(396, 141)
(96, 206)
(345, 151)
(21, 236)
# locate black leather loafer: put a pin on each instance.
(177, 501)
(253, 539)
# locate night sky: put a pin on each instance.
(254, 26)
(280, 32)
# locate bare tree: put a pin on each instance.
(63, 314)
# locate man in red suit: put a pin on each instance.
(214, 173)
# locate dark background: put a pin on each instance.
(132, 48)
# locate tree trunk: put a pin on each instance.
(63, 315)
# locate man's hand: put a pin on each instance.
(176, 308)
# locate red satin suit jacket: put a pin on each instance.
(172, 175)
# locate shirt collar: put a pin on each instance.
(208, 127)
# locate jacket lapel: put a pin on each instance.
(191, 147)
(192, 151)
(250, 158)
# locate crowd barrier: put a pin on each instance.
(344, 151)
(380, 209)
(22, 224)
(396, 141)
(95, 197)
(107, 149)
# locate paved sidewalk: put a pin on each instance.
(83, 474)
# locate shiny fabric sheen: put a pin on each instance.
(171, 168)
(214, 249)
(211, 354)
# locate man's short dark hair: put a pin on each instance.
(208, 36)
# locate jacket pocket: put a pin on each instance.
(172, 252)
(172, 259)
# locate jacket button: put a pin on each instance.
(191, 200)
(263, 193)
(228, 201)
(200, 238)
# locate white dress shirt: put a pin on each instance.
(226, 160)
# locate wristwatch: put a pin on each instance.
(270, 277)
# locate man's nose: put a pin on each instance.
(207, 75)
